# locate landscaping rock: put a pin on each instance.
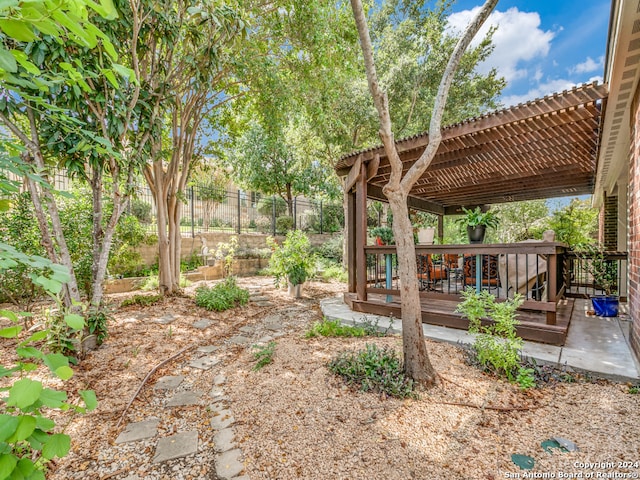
(139, 431)
(224, 440)
(176, 446)
(239, 340)
(229, 465)
(183, 399)
(169, 382)
(202, 324)
(204, 363)
(222, 420)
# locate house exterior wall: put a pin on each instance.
(634, 225)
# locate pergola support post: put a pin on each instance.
(361, 233)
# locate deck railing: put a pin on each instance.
(533, 269)
(580, 282)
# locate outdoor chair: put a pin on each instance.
(428, 273)
(489, 275)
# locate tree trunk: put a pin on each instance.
(290, 200)
(416, 359)
(417, 364)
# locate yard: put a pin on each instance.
(294, 419)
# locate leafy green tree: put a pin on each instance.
(521, 220)
(576, 223)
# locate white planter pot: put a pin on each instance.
(295, 290)
(425, 235)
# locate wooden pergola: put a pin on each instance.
(544, 148)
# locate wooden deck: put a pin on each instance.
(436, 311)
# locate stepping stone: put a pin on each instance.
(223, 420)
(219, 379)
(183, 399)
(169, 382)
(224, 440)
(204, 363)
(139, 431)
(202, 324)
(208, 349)
(216, 392)
(274, 327)
(176, 446)
(266, 339)
(258, 298)
(264, 304)
(247, 329)
(167, 319)
(218, 407)
(239, 340)
(228, 464)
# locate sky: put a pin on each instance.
(544, 46)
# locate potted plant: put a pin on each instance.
(604, 273)
(291, 262)
(477, 222)
(383, 235)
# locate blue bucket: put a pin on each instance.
(605, 306)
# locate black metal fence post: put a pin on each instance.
(295, 213)
(321, 219)
(273, 215)
(239, 212)
(193, 233)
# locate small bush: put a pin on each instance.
(332, 249)
(223, 296)
(97, 320)
(142, 300)
(284, 224)
(141, 210)
(263, 354)
(374, 369)
(333, 328)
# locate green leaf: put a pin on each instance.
(29, 352)
(5, 203)
(9, 314)
(18, 30)
(7, 61)
(53, 398)
(7, 465)
(90, 400)
(124, 72)
(10, 332)
(36, 337)
(52, 286)
(45, 424)
(64, 373)
(26, 467)
(55, 361)
(74, 321)
(57, 446)
(26, 426)
(8, 425)
(23, 60)
(24, 393)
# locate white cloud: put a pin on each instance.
(589, 65)
(547, 88)
(517, 39)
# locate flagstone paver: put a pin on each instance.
(139, 431)
(229, 464)
(168, 382)
(204, 363)
(183, 399)
(176, 446)
(202, 324)
(167, 319)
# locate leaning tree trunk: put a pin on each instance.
(175, 238)
(416, 359)
(417, 363)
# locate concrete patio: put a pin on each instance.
(595, 345)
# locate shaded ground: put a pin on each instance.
(296, 420)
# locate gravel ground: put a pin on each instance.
(295, 420)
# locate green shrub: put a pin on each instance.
(223, 296)
(97, 322)
(142, 300)
(333, 328)
(284, 224)
(265, 206)
(263, 354)
(332, 249)
(292, 261)
(497, 346)
(374, 369)
(141, 210)
(124, 259)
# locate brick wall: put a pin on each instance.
(634, 225)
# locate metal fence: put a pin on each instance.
(207, 209)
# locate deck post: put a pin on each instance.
(441, 229)
(361, 233)
(350, 223)
(552, 286)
